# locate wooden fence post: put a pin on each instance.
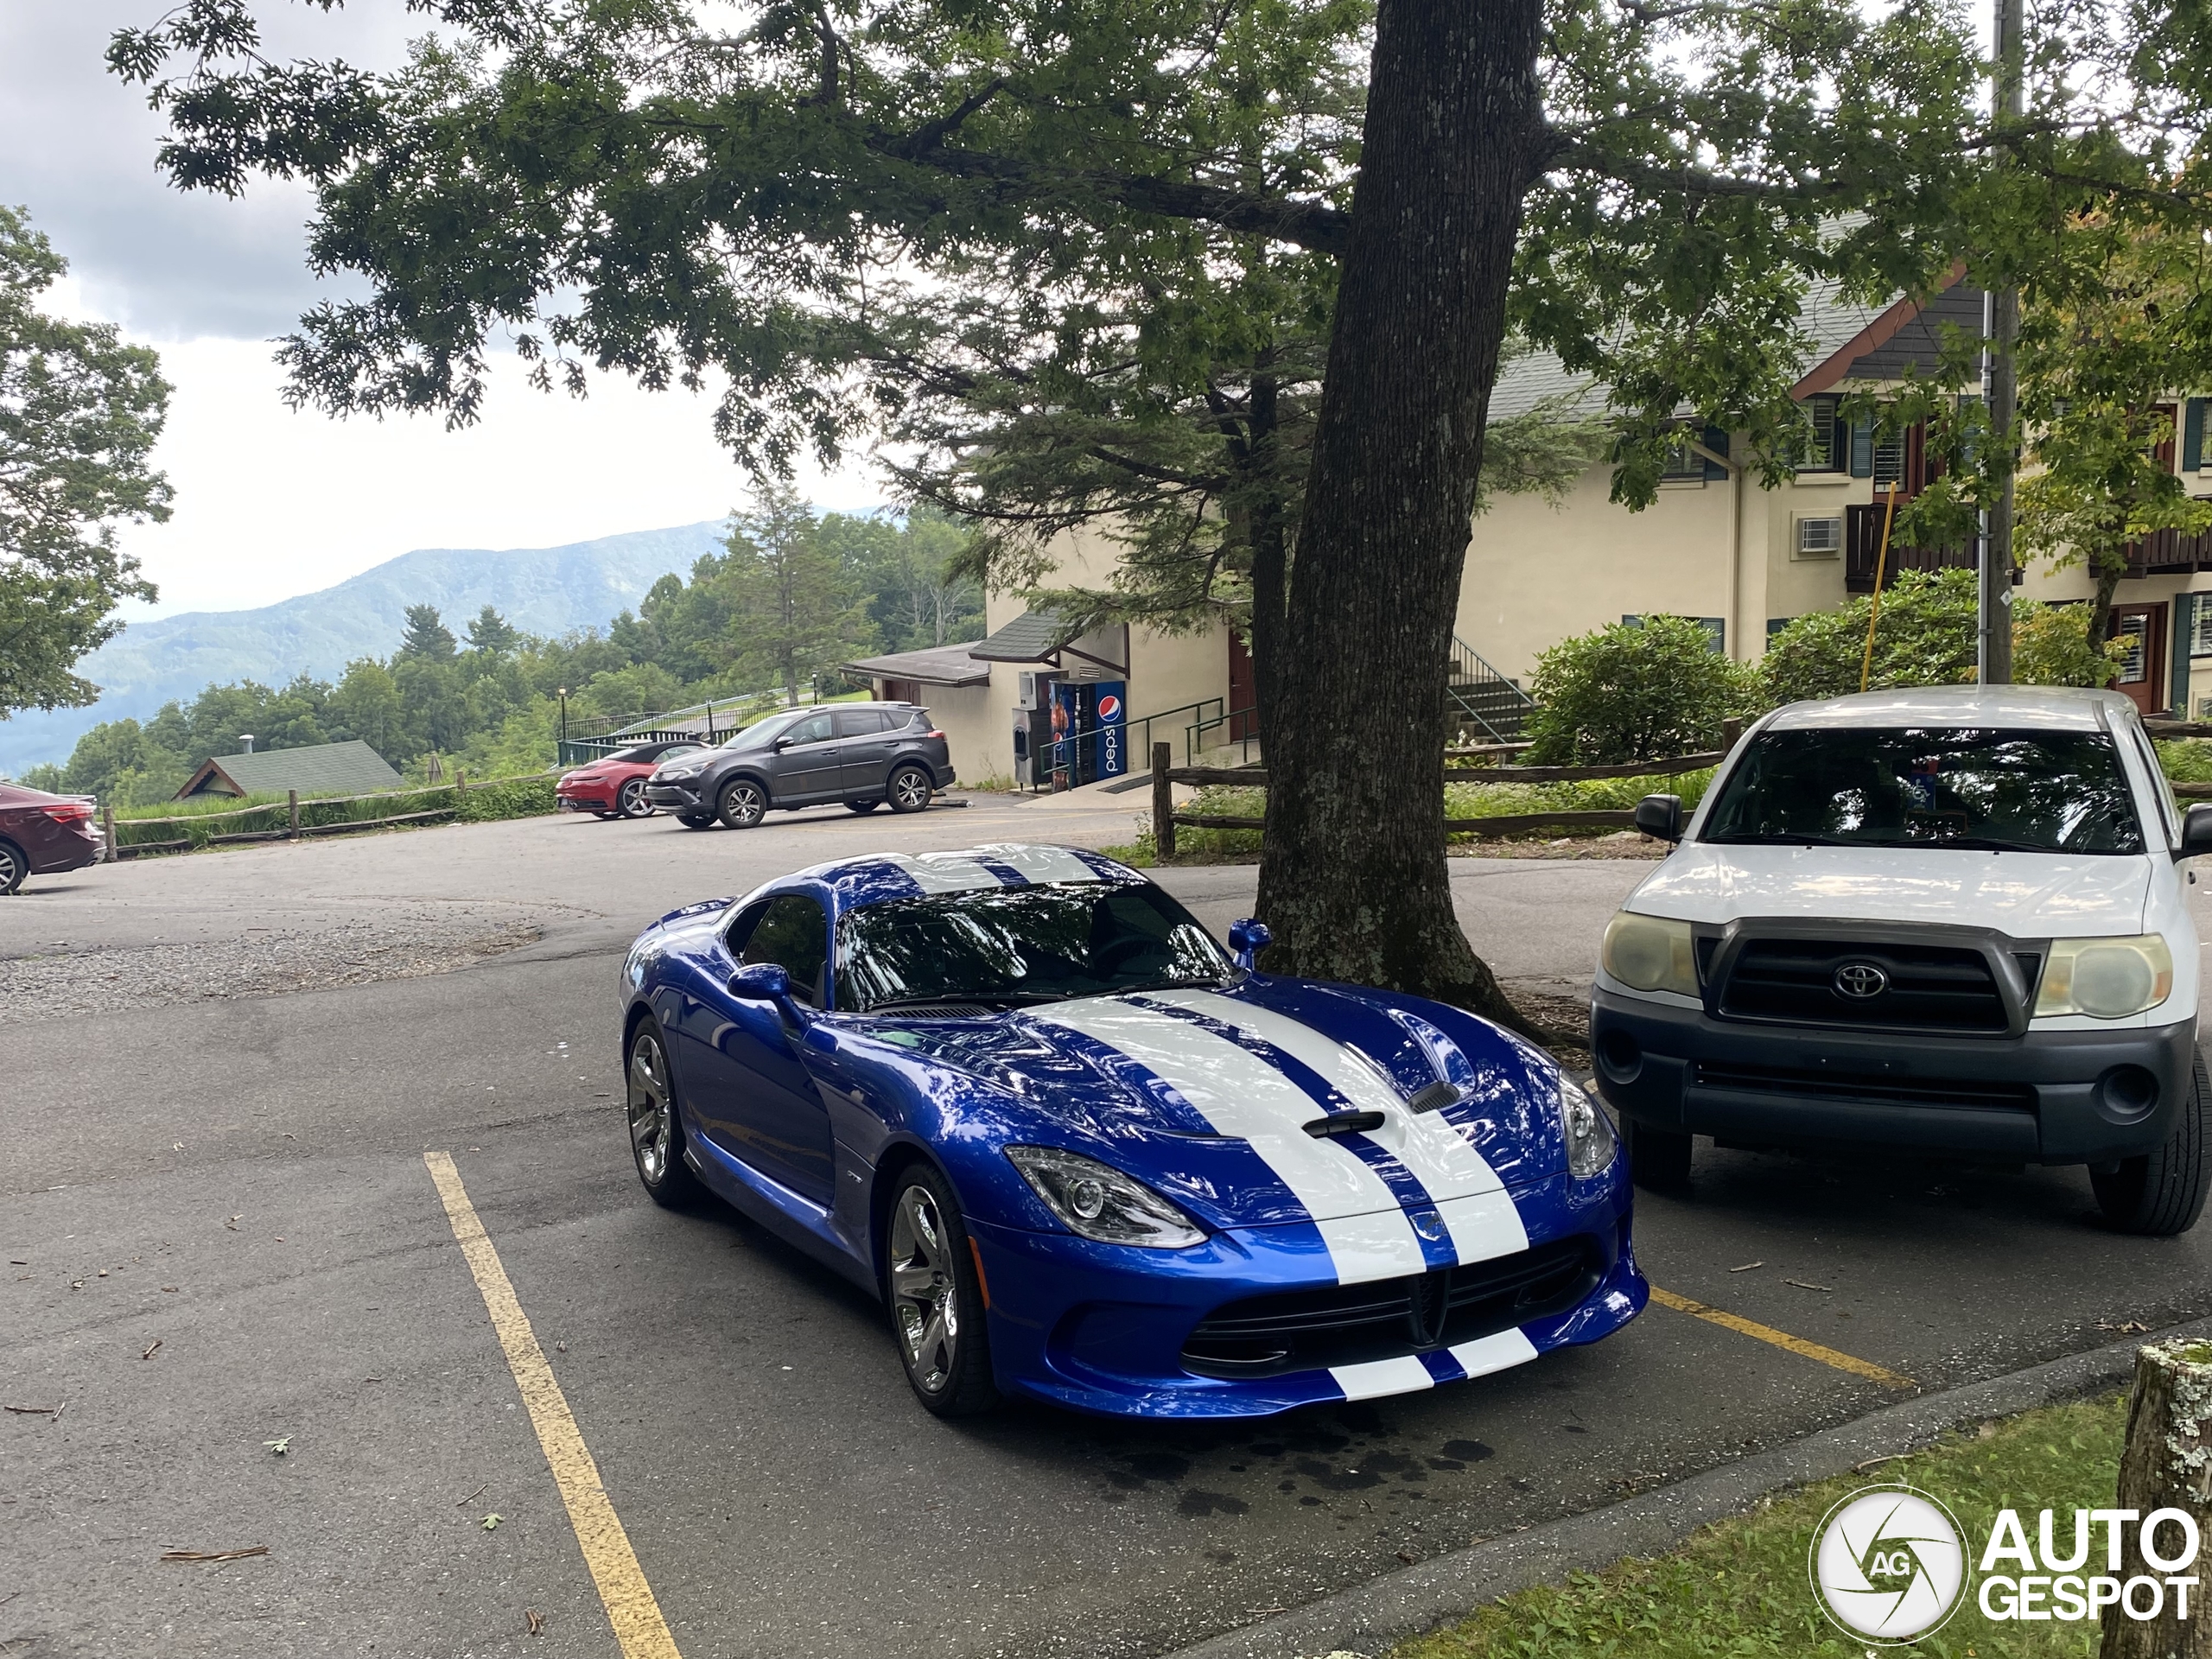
(1731, 730)
(107, 830)
(460, 782)
(2163, 1465)
(1163, 803)
(292, 803)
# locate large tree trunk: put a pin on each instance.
(1352, 877)
(2165, 1465)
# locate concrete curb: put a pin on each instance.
(1368, 1618)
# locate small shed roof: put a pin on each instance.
(1033, 637)
(318, 769)
(934, 665)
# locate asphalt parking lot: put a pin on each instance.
(221, 1232)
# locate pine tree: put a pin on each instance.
(794, 607)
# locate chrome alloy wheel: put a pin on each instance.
(652, 1108)
(632, 802)
(910, 791)
(924, 1298)
(743, 805)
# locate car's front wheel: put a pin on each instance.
(696, 820)
(934, 1289)
(2162, 1194)
(1658, 1159)
(656, 1126)
(14, 866)
(910, 790)
(742, 803)
(632, 802)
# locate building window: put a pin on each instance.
(1827, 442)
(1683, 463)
(2200, 635)
(1889, 459)
(1819, 538)
(2135, 666)
(1716, 628)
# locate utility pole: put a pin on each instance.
(2006, 105)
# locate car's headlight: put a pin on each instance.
(2107, 979)
(1590, 1139)
(1651, 953)
(1098, 1201)
(670, 774)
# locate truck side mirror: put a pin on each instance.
(1660, 817)
(1247, 938)
(2196, 832)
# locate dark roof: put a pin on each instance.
(936, 666)
(1833, 322)
(1033, 637)
(320, 769)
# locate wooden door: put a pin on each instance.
(2142, 672)
(1243, 697)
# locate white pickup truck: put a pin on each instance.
(1951, 921)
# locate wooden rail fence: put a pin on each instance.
(293, 829)
(1165, 775)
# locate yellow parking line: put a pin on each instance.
(631, 1608)
(1736, 1322)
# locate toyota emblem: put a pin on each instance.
(1860, 980)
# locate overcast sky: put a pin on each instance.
(269, 503)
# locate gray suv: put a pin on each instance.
(861, 754)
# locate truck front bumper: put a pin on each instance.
(2045, 1097)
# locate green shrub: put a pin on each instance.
(1926, 635)
(1633, 692)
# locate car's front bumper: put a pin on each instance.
(2047, 1096)
(1102, 1328)
(683, 796)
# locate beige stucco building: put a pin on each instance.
(1715, 546)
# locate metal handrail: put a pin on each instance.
(1193, 746)
(1468, 669)
(1070, 747)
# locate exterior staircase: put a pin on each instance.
(1481, 704)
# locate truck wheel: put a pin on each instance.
(2162, 1194)
(1658, 1159)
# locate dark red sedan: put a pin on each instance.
(614, 787)
(42, 833)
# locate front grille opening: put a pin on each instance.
(1346, 1325)
(1878, 1087)
(1928, 987)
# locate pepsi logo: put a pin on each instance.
(1109, 708)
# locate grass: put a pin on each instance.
(1739, 1588)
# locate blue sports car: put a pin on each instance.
(1084, 1154)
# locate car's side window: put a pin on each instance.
(861, 723)
(815, 730)
(792, 933)
(2162, 789)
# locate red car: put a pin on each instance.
(42, 833)
(615, 788)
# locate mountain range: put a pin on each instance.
(543, 590)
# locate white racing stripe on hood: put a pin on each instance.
(1440, 1157)
(1239, 1093)
(1493, 1353)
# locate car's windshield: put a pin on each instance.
(1962, 787)
(1022, 944)
(644, 752)
(762, 731)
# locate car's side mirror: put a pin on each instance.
(762, 982)
(1660, 816)
(2196, 832)
(1247, 938)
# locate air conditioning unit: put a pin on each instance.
(1819, 538)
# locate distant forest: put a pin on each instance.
(792, 598)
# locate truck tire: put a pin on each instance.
(1658, 1159)
(2162, 1194)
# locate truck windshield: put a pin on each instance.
(1022, 944)
(1973, 790)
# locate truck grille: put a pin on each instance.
(1929, 987)
(1876, 1086)
(1345, 1324)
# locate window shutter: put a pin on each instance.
(2192, 435)
(2184, 635)
(1862, 449)
(1716, 440)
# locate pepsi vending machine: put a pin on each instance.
(1090, 741)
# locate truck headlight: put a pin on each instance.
(1097, 1201)
(2105, 979)
(1650, 953)
(1590, 1139)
